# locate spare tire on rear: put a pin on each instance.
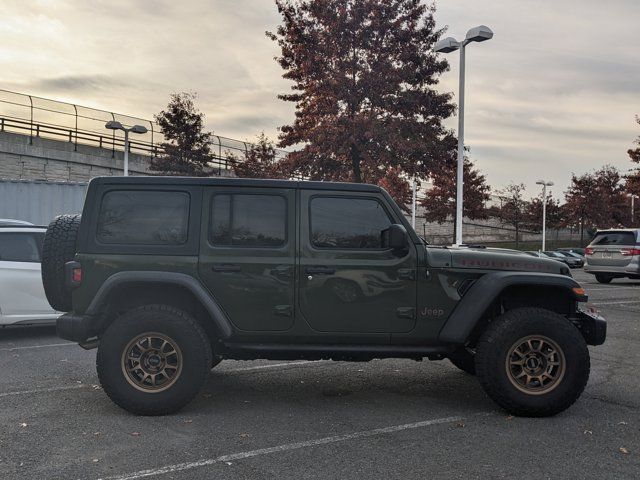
(59, 247)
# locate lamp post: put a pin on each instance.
(633, 197)
(544, 211)
(447, 45)
(113, 125)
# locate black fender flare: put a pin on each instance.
(218, 316)
(486, 289)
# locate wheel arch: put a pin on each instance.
(497, 292)
(127, 290)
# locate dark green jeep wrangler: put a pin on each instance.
(168, 276)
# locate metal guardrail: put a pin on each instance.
(41, 117)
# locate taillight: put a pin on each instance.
(588, 251)
(76, 275)
(629, 252)
(73, 272)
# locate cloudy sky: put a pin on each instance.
(554, 92)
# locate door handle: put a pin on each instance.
(226, 268)
(320, 270)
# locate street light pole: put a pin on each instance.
(447, 45)
(460, 167)
(413, 204)
(544, 211)
(113, 125)
(126, 152)
(633, 197)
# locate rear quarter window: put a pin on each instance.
(143, 217)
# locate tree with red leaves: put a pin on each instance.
(440, 201)
(597, 200)
(513, 207)
(633, 179)
(554, 213)
(363, 74)
(260, 161)
(398, 187)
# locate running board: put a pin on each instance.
(281, 351)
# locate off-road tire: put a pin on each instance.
(601, 278)
(58, 248)
(464, 360)
(176, 325)
(492, 355)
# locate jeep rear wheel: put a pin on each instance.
(153, 360)
(532, 362)
(602, 278)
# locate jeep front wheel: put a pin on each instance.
(153, 360)
(532, 362)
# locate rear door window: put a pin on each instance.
(21, 247)
(614, 238)
(143, 217)
(248, 220)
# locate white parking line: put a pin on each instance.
(618, 302)
(272, 365)
(601, 289)
(42, 390)
(233, 370)
(11, 349)
(180, 467)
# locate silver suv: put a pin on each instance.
(614, 254)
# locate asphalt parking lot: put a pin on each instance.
(382, 419)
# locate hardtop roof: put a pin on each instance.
(234, 182)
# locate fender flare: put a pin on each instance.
(486, 289)
(218, 316)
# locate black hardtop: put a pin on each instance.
(234, 182)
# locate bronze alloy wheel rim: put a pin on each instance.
(535, 364)
(152, 362)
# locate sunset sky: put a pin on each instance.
(554, 92)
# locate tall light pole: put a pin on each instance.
(447, 45)
(633, 197)
(113, 125)
(544, 211)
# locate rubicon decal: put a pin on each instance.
(504, 264)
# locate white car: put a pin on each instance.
(22, 299)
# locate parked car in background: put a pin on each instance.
(577, 251)
(542, 255)
(614, 254)
(577, 259)
(571, 262)
(8, 222)
(22, 298)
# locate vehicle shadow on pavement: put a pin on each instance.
(350, 385)
(22, 332)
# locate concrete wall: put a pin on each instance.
(40, 202)
(53, 160)
(483, 231)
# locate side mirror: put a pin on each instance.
(395, 237)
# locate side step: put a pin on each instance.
(280, 351)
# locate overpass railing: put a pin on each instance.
(40, 117)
